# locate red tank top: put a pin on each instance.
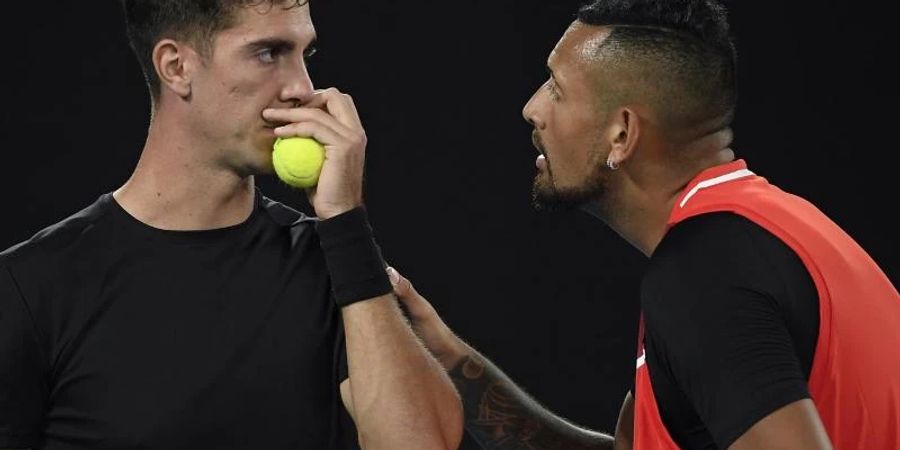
(855, 376)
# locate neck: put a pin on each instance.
(177, 186)
(645, 197)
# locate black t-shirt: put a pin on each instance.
(116, 335)
(732, 319)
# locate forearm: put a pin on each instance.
(500, 415)
(402, 398)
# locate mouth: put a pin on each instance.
(536, 141)
(274, 125)
(541, 162)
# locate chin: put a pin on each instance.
(263, 167)
(546, 195)
(259, 164)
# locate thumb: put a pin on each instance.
(402, 286)
(416, 305)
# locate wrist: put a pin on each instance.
(332, 207)
(457, 353)
(332, 211)
(352, 257)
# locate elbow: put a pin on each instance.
(448, 437)
(446, 423)
(438, 426)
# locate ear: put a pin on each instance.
(175, 65)
(623, 134)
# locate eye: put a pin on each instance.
(309, 52)
(267, 56)
(551, 87)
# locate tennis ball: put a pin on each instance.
(298, 161)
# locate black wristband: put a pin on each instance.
(353, 258)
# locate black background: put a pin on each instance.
(550, 297)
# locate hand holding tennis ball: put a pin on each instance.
(298, 161)
(328, 117)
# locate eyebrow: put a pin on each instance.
(276, 43)
(279, 43)
(550, 72)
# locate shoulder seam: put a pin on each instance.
(37, 330)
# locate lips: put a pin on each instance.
(536, 141)
(274, 125)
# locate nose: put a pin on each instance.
(298, 87)
(529, 112)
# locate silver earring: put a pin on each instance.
(613, 165)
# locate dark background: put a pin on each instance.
(550, 297)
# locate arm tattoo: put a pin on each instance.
(500, 416)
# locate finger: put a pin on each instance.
(403, 288)
(401, 285)
(338, 104)
(393, 275)
(325, 135)
(297, 115)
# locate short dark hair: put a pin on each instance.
(149, 21)
(684, 46)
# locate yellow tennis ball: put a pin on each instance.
(298, 161)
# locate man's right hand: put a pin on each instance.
(498, 414)
(331, 118)
(446, 347)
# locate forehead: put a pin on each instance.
(266, 20)
(579, 47)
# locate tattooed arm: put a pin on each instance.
(499, 414)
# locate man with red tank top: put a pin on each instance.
(765, 326)
(759, 338)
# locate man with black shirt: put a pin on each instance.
(766, 326)
(185, 310)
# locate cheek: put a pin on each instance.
(234, 95)
(229, 87)
(241, 101)
(574, 156)
(243, 87)
(572, 142)
(235, 92)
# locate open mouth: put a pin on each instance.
(542, 161)
(536, 141)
